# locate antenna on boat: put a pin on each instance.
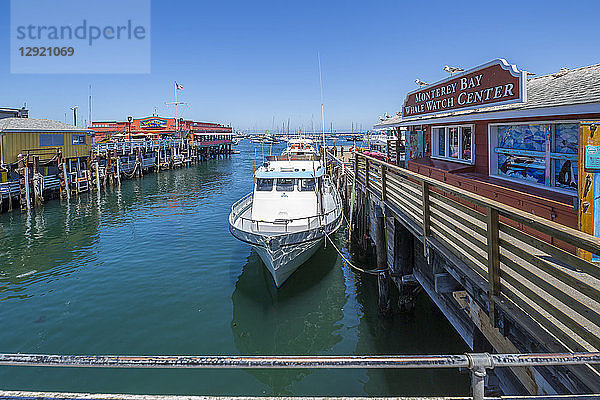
(322, 113)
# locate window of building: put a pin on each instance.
(79, 139)
(544, 154)
(52, 139)
(467, 138)
(453, 143)
(441, 140)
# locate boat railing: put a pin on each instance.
(286, 225)
(477, 363)
(294, 157)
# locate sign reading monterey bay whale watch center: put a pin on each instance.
(494, 83)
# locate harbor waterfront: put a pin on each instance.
(148, 266)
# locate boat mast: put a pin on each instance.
(322, 113)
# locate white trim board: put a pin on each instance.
(591, 108)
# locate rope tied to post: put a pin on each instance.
(363, 270)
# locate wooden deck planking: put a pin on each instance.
(552, 285)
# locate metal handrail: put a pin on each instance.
(478, 363)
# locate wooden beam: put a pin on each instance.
(493, 260)
(426, 216)
(445, 283)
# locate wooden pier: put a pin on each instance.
(507, 280)
(45, 174)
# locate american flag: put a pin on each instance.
(178, 86)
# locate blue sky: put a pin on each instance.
(249, 61)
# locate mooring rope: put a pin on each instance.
(366, 271)
(135, 167)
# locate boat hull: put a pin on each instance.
(283, 262)
(284, 247)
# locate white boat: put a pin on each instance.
(380, 140)
(285, 218)
(298, 146)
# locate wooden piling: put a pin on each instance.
(403, 265)
(66, 180)
(118, 168)
(98, 176)
(23, 169)
(381, 252)
(26, 185)
(38, 182)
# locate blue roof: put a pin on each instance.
(289, 174)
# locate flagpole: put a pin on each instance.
(176, 103)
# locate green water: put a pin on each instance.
(149, 267)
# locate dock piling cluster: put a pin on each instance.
(36, 180)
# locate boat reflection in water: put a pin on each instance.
(300, 318)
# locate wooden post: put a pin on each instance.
(27, 195)
(98, 176)
(366, 174)
(355, 167)
(426, 216)
(381, 252)
(403, 265)
(383, 288)
(493, 255)
(118, 168)
(38, 181)
(20, 169)
(66, 178)
(383, 183)
(387, 150)
(10, 200)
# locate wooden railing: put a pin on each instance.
(506, 248)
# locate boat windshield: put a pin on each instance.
(285, 184)
(307, 185)
(264, 185)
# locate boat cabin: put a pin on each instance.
(286, 191)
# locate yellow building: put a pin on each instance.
(41, 137)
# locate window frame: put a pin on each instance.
(435, 143)
(78, 135)
(281, 188)
(258, 187)
(52, 137)
(302, 180)
(493, 159)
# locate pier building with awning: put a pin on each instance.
(154, 127)
(505, 134)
